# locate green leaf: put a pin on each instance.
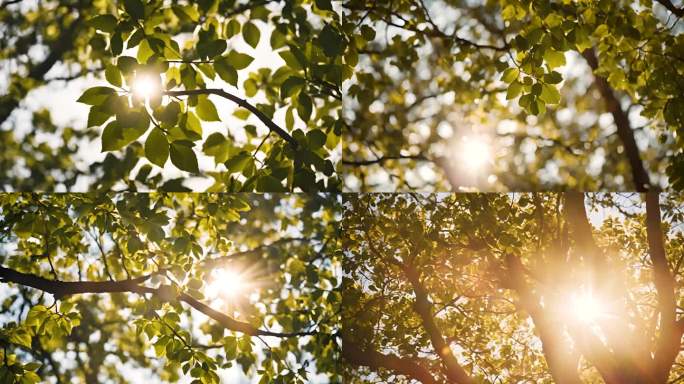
(324, 5)
(251, 34)
(514, 89)
(183, 157)
(157, 147)
(238, 162)
(96, 95)
(217, 146)
(226, 71)
(316, 138)
(206, 110)
(250, 87)
(290, 86)
(21, 337)
(510, 74)
(144, 52)
(554, 58)
(239, 60)
(291, 60)
(268, 183)
(553, 77)
(126, 64)
(97, 117)
(304, 106)
(116, 44)
(367, 32)
(135, 8)
(113, 75)
(104, 23)
(232, 28)
(32, 366)
(331, 41)
(549, 94)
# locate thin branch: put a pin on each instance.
(383, 159)
(242, 103)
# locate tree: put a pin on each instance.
(171, 284)
(515, 95)
(519, 288)
(167, 66)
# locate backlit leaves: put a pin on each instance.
(183, 157)
(157, 147)
(184, 233)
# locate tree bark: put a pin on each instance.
(355, 354)
(454, 371)
(64, 43)
(668, 342)
(65, 288)
(640, 176)
(560, 359)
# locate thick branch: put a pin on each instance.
(669, 340)
(65, 288)
(561, 361)
(242, 103)
(422, 306)
(640, 177)
(580, 229)
(679, 12)
(63, 44)
(357, 355)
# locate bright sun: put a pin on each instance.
(586, 307)
(475, 152)
(225, 283)
(144, 86)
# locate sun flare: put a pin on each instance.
(586, 307)
(226, 283)
(475, 152)
(144, 86)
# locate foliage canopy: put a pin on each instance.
(166, 68)
(495, 288)
(125, 281)
(582, 94)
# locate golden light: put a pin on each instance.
(474, 152)
(145, 86)
(586, 307)
(226, 283)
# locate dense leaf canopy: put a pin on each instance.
(518, 95)
(521, 288)
(116, 288)
(251, 87)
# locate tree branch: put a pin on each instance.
(355, 354)
(679, 12)
(64, 43)
(422, 306)
(383, 159)
(640, 176)
(669, 340)
(561, 361)
(242, 103)
(65, 288)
